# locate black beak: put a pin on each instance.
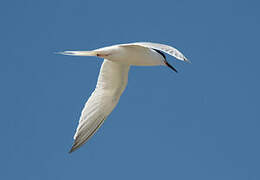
(164, 57)
(170, 66)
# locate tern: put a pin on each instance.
(112, 80)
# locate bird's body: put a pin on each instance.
(113, 78)
(132, 55)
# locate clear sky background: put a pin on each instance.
(202, 123)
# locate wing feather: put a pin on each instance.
(111, 83)
(162, 47)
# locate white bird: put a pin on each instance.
(112, 80)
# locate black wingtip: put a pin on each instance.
(73, 148)
(170, 66)
(76, 145)
(187, 60)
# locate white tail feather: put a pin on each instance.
(78, 53)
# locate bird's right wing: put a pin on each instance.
(111, 83)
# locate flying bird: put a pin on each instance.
(112, 80)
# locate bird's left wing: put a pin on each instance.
(111, 83)
(161, 47)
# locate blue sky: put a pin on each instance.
(202, 123)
